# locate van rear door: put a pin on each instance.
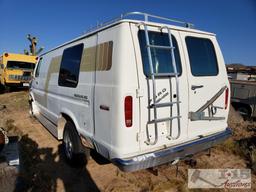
(208, 84)
(167, 131)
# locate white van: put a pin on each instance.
(138, 92)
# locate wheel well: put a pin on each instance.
(237, 105)
(61, 124)
(67, 117)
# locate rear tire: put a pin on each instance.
(73, 148)
(244, 111)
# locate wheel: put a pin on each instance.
(244, 111)
(1, 87)
(1, 84)
(7, 89)
(32, 108)
(31, 111)
(73, 149)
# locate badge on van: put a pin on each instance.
(161, 95)
(81, 97)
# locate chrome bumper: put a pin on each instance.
(170, 154)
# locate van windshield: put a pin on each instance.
(20, 65)
(161, 58)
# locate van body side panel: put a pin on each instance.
(77, 103)
(111, 88)
(46, 86)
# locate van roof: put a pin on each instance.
(175, 27)
(117, 21)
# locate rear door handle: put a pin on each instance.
(194, 87)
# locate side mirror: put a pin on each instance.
(2, 66)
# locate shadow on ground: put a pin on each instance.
(12, 89)
(42, 169)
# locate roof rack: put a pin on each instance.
(146, 18)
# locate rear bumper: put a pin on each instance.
(170, 154)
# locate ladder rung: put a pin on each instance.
(164, 74)
(163, 119)
(163, 104)
(160, 47)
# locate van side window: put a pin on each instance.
(38, 67)
(70, 66)
(202, 57)
(161, 58)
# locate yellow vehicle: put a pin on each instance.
(16, 69)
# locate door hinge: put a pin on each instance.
(139, 93)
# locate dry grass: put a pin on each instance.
(43, 167)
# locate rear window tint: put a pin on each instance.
(70, 66)
(202, 57)
(161, 58)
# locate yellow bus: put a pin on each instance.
(16, 69)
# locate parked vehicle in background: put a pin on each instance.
(16, 69)
(241, 72)
(139, 93)
(243, 97)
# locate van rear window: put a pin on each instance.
(70, 66)
(202, 57)
(161, 58)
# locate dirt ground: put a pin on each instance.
(43, 168)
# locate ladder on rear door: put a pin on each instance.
(153, 76)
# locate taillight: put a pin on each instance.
(226, 98)
(128, 111)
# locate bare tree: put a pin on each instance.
(32, 46)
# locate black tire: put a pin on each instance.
(73, 149)
(244, 111)
(1, 88)
(31, 111)
(7, 89)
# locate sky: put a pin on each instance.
(56, 21)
